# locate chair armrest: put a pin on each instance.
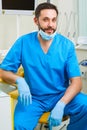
(1, 81)
(14, 94)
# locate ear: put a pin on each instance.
(35, 20)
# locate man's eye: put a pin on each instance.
(45, 20)
(54, 20)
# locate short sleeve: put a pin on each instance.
(72, 65)
(12, 60)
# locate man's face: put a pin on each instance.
(47, 21)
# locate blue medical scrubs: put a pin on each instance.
(47, 75)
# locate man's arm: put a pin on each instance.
(8, 76)
(23, 87)
(74, 88)
(56, 115)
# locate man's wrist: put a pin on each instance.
(62, 103)
(18, 79)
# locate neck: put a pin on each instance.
(44, 44)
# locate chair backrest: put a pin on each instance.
(20, 72)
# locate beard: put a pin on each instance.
(45, 29)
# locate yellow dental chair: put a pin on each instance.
(14, 94)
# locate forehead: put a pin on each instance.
(50, 13)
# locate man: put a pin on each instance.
(51, 80)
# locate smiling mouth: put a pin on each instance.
(50, 31)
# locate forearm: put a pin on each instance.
(74, 88)
(8, 76)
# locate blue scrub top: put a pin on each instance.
(45, 73)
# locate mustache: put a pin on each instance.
(49, 28)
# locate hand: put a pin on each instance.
(56, 114)
(24, 91)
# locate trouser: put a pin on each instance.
(26, 117)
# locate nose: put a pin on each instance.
(50, 23)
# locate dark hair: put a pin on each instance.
(44, 5)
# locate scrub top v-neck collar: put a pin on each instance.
(49, 49)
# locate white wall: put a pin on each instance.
(8, 28)
(82, 11)
(8, 23)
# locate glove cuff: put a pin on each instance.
(18, 80)
(62, 104)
